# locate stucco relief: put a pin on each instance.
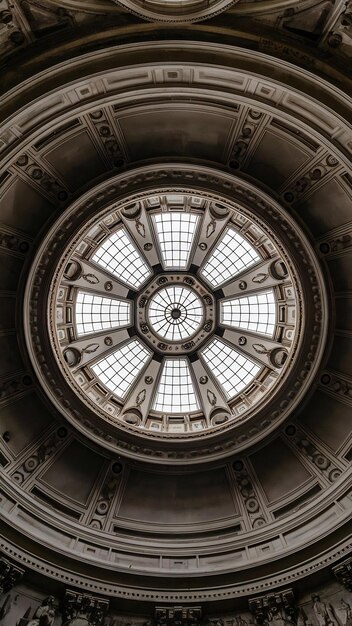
(330, 605)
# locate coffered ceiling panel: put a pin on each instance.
(25, 421)
(177, 499)
(338, 268)
(275, 159)
(24, 206)
(7, 312)
(328, 420)
(344, 313)
(76, 159)
(293, 473)
(74, 472)
(341, 355)
(175, 132)
(10, 359)
(328, 207)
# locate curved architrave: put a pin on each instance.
(176, 11)
(237, 579)
(224, 57)
(106, 7)
(328, 128)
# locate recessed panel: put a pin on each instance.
(344, 313)
(11, 268)
(340, 271)
(26, 420)
(278, 470)
(341, 355)
(275, 159)
(177, 499)
(329, 419)
(24, 207)
(176, 133)
(76, 160)
(10, 358)
(328, 207)
(74, 472)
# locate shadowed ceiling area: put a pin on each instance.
(159, 481)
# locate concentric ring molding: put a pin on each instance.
(106, 7)
(66, 342)
(229, 72)
(91, 584)
(176, 10)
(228, 438)
(111, 560)
(329, 128)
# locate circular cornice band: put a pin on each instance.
(224, 186)
(176, 11)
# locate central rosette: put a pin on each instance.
(175, 313)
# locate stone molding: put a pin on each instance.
(178, 616)
(221, 185)
(114, 551)
(10, 575)
(274, 605)
(228, 592)
(343, 573)
(160, 12)
(237, 66)
(76, 604)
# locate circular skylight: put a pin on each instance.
(175, 313)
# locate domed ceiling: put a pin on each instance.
(175, 305)
(149, 317)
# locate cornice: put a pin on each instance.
(175, 51)
(210, 594)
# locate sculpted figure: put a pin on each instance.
(45, 614)
(323, 612)
(346, 610)
(79, 620)
(278, 617)
(82, 618)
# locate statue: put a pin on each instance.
(323, 612)
(278, 617)
(79, 620)
(45, 614)
(346, 608)
(84, 617)
(83, 609)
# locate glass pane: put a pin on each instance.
(175, 393)
(175, 232)
(231, 255)
(175, 313)
(256, 313)
(121, 258)
(95, 313)
(120, 369)
(233, 370)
